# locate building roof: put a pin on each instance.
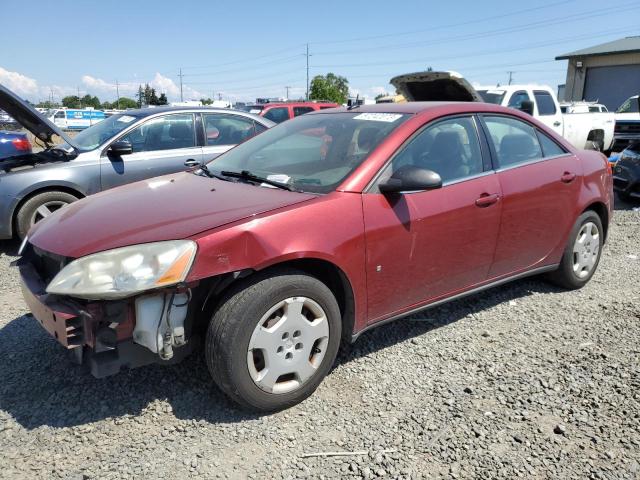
(623, 45)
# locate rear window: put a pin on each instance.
(546, 105)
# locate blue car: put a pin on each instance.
(13, 143)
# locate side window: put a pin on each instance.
(225, 129)
(277, 115)
(546, 105)
(259, 127)
(59, 115)
(325, 107)
(301, 110)
(514, 140)
(163, 133)
(450, 148)
(549, 147)
(517, 98)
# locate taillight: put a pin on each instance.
(21, 144)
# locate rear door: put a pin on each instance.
(223, 131)
(548, 111)
(161, 145)
(425, 245)
(540, 183)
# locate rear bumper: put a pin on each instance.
(626, 180)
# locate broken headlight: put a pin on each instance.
(125, 271)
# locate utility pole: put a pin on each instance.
(287, 92)
(510, 76)
(118, 93)
(79, 99)
(307, 98)
(180, 75)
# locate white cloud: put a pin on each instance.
(18, 83)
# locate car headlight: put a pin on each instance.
(125, 271)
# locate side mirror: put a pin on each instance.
(526, 106)
(121, 147)
(411, 179)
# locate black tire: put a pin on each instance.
(27, 212)
(565, 276)
(234, 321)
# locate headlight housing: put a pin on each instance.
(123, 272)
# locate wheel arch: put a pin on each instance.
(601, 210)
(327, 272)
(37, 191)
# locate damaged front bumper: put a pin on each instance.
(110, 335)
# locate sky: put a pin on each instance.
(240, 50)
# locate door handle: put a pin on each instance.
(486, 200)
(567, 177)
(556, 123)
(191, 162)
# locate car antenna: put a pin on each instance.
(351, 104)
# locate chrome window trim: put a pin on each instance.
(531, 162)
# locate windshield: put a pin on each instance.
(94, 136)
(492, 96)
(312, 153)
(630, 106)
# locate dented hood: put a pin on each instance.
(29, 117)
(171, 207)
(435, 87)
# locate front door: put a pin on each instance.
(548, 112)
(424, 245)
(161, 145)
(540, 184)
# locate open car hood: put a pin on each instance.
(435, 87)
(30, 118)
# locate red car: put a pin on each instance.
(279, 112)
(312, 233)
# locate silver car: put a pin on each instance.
(126, 147)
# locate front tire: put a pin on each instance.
(582, 253)
(273, 339)
(38, 207)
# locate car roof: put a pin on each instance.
(293, 104)
(144, 112)
(408, 107)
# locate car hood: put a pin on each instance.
(30, 118)
(435, 86)
(164, 208)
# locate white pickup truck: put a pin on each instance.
(627, 124)
(583, 130)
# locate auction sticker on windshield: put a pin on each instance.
(378, 117)
(126, 119)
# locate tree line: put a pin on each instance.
(146, 96)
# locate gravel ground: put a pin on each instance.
(523, 381)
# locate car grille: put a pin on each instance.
(627, 128)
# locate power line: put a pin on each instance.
(450, 25)
(490, 33)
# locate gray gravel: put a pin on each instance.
(523, 381)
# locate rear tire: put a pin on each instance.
(39, 207)
(582, 253)
(262, 353)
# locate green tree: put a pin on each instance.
(47, 104)
(140, 96)
(330, 87)
(89, 101)
(71, 101)
(206, 101)
(162, 99)
(380, 95)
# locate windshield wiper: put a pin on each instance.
(209, 173)
(247, 175)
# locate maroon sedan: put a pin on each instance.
(312, 233)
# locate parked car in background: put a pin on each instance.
(311, 233)
(626, 173)
(592, 131)
(124, 148)
(13, 143)
(627, 129)
(5, 118)
(280, 112)
(75, 119)
(582, 107)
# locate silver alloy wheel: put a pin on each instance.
(288, 345)
(586, 249)
(45, 210)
